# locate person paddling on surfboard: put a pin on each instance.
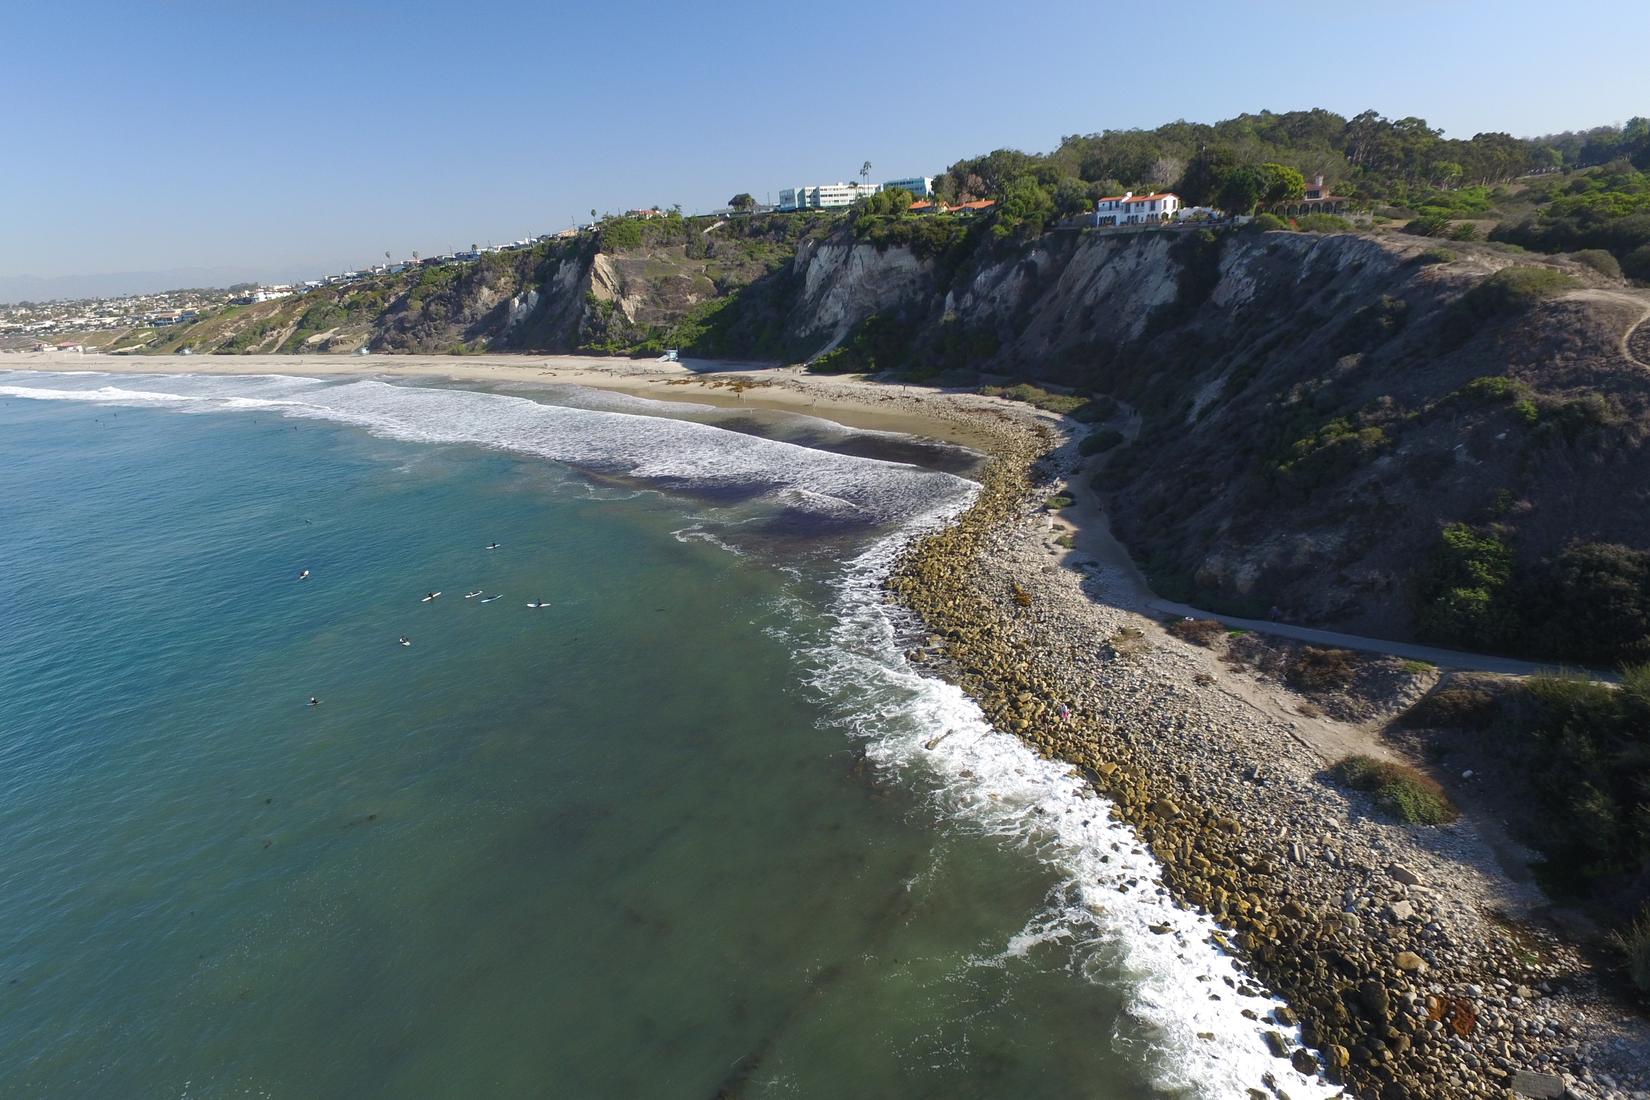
(314, 702)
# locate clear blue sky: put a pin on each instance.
(297, 135)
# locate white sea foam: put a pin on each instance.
(648, 448)
(589, 397)
(924, 728)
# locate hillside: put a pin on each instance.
(1364, 431)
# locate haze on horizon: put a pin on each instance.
(295, 140)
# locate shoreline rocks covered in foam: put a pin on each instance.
(1387, 942)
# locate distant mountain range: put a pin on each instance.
(34, 288)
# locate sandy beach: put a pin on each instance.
(856, 402)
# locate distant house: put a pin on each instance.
(1316, 200)
(975, 207)
(650, 212)
(1131, 209)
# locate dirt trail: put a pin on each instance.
(1128, 589)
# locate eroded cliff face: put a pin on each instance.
(1305, 412)
(1312, 411)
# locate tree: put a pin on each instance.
(1240, 190)
(1280, 183)
(1024, 203)
(1204, 176)
(1071, 196)
(743, 201)
(865, 173)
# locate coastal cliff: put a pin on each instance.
(1306, 421)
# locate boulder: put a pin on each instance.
(1538, 1086)
(1410, 962)
(1399, 873)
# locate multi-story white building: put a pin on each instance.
(1131, 209)
(921, 187)
(825, 194)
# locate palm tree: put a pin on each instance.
(865, 173)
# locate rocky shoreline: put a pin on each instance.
(1389, 943)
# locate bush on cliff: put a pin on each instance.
(1634, 944)
(1586, 747)
(1323, 223)
(1063, 403)
(1589, 604)
(1319, 668)
(1099, 442)
(1397, 789)
(1463, 595)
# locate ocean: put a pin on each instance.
(693, 828)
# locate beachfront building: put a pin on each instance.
(824, 195)
(921, 187)
(1131, 209)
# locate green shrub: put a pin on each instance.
(1055, 503)
(1453, 706)
(1599, 260)
(1634, 944)
(875, 344)
(1062, 403)
(1398, 790)
(1323, 223)
(1591, 603)
(1317, 668)
(619, 234)
(1436, 256)
(1429, 225)
(1466, 231)
(1515, 289)
(1463, 595)
(1584, 745)
(1100, 442)
(1266, 222)
(1201, 632)
(1507, 293)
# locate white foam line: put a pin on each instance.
(643, 447)
(920, 725)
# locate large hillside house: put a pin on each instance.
(1316, 200)
(1131, 209)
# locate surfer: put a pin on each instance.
(472, 595)
(406, 640)
(493, 545)
(304, 576)
(429, 597)
(314, 702)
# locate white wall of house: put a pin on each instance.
(1131, 209)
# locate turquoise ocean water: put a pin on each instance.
(684, 832)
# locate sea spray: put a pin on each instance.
(1204, 1014)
